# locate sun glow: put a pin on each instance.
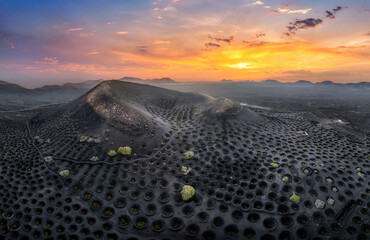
(240, 65)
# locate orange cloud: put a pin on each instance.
(75, 29)
(157, 42)
(93, 52)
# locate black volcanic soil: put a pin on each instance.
(246, 167)
(333, 101)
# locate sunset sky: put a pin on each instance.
(56, 41)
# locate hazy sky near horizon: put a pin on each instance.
(51, 42)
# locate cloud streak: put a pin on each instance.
(227, 40)
(259, 35)
(288, 11)
(122, 32)
(288, 5)
(210, 44)
(302, 24)
(159, 42)
(257, 3)
(307, 23)
(331, 14)
(75, 29)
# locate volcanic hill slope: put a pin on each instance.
(257, 174)
(128, 114)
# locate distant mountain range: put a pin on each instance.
(308, 83)
(71, 86)
(12, 94)
(11, 88)
(6, 87)
(302, 83)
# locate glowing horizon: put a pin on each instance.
(64, 41)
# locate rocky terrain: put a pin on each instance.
(133, 161)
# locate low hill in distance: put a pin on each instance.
(305, 83)
(13, 96)
(11, 88)
(87, 85)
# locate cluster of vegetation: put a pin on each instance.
(122, 150)
(89, 139)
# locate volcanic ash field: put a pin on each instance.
(132, 161)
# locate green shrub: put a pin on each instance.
(275, 165)
(295, 198)
(64, 173)
(188, 154)
(187, 192)
(185, 170)
(319, 203)
(112, 153)
(125, 150)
